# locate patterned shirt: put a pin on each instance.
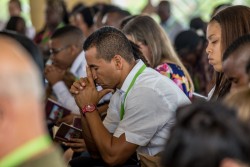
(176, 74)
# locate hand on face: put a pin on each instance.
(53, 74)
(84, 91)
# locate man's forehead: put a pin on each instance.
(91, 52)
(92, 57)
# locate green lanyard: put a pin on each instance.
(23, 153)
(130, 86)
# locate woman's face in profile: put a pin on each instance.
(214, 45)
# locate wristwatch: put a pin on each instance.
(88, 108)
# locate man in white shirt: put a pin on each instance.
(140, 112)
(68, 59)
(66, 54)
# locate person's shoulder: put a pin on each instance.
(164, 67)
(149, 73)
(152, 79)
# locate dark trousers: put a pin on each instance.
(90, 162)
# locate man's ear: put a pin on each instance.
(118, 61)
(228, 162)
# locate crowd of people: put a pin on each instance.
(148, 94)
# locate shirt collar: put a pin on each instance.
(77, 62)
(131, 75)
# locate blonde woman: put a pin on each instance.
(158, 50)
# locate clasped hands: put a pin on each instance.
(85, 92)
(53, 74)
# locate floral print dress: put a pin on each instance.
(175, 73)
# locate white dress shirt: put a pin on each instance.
(149, 107)
(78, 69)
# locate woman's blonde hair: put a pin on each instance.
(240, 100)
(144, 29)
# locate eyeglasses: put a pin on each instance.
(54, 51)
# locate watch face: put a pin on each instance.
(89, 108)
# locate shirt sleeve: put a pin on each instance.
(64, 97)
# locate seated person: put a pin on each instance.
(114, 16)
(16, 24)
(68, 65)
(141, 111)
(235, 61)
(191, 49)
(67, 58)
(202, 138)
(158, 50)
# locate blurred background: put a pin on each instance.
(183, 10)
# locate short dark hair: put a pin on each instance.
(122, 13)
(166, 4)
(79, 6)
(88, 14)
(206, 133)
(13, 23)
(197, 23)
(107, 8)
(235, 45)
(187, 41)
(71, 33)
(109, 42)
